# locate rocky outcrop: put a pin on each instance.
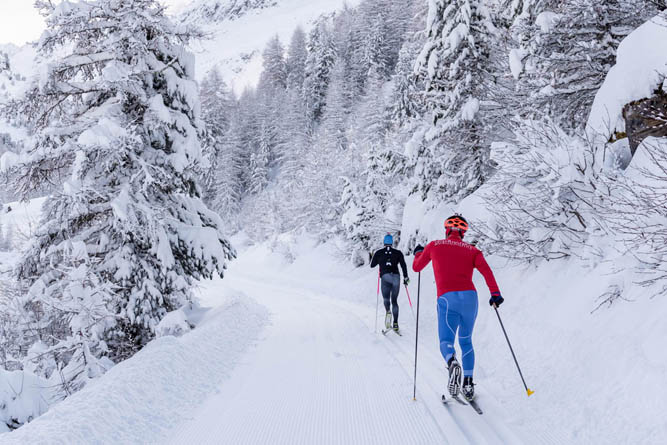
(214, 11)
(644, 118)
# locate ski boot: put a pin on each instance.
(454, 384)
(395, 327)
(468, 388)
(387, 320)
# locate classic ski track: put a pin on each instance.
(458, 413)
(461, 414)
(499, 434)
(336, 387)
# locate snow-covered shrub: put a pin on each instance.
(23, 397)
(639, 216)
(545, 194)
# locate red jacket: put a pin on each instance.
(453, 264)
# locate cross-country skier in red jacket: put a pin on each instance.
(453, 263)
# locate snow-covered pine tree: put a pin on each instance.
(320, 61)
(406, 100)
(274, 73)
(116, 120)
(296, 60)
(217, 107)
(452, 161)
(338, 101)
(369, 193)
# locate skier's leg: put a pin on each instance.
(394, 296)
(469, 306)
(448, 322)
(386, 297)
(386, 291)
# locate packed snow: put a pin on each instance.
(141, 399)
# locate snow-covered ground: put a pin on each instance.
(320, 374)
(141, 399)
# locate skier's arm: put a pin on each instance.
(374, 260)
(401, 260)
(485, 270)
(422, 259)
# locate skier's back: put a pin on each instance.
(389, 259)
(453, 264)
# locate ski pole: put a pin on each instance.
(377, 302)
(528, 391)
(409, 301)
(414, 391)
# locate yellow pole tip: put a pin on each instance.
(530, 392)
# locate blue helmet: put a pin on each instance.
(388, 240)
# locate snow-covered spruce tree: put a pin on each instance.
(274, 73)
(116, 120)
(564, 49)
(296, 60)
(217, 107)
(406, 101)
(338, 101)
(452, 161)
(320, 61)
(370, 205)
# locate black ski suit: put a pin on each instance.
(389, 259)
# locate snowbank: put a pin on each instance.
(140, 399)
(641, 68)
(23, 397)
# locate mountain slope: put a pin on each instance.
(239, 30)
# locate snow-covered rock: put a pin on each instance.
(641, 68)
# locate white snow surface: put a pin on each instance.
(547, 20)
(516, 62)
(641, 68)
(139, 400)
(320, 374)
(235, 46)
(23, 396)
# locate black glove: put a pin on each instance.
(406, 280)
(496, 299)
(418, 249)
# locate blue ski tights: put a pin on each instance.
(457, 311)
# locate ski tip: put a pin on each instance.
(529, 392)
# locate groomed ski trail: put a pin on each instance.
(322, 376)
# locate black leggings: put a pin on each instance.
(391, 284)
